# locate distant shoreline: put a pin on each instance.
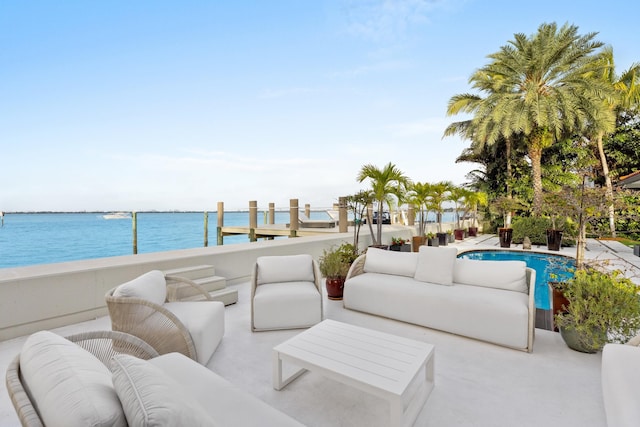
(151, 211)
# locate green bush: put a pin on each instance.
(536, 229)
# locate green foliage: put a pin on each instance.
(335, 263)
(533, 227)
(601, 301)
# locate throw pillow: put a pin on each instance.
(286, 268)
(390, 262)
(151, 398)
(508, 275)
(68, 384)
(150, 286)
(435, 265)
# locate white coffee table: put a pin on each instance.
(397, 369)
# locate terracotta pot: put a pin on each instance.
(473, 231)
(335, 287)
(417, 241)
(459, 234)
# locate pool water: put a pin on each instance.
(548, 267)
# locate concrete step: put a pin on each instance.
(181, 291)
(192, 272)
(226, 295)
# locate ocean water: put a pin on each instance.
(30, 239)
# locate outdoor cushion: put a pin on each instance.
(290, 304)
(150, 286)
(151, 398)
(70, 386)
(286, 268)
(435, 265)
(508, 275)
(205, 322)
(390, 262)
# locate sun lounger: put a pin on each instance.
(315, 223)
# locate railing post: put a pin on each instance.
(220, 215)
(307, 210)
(253, 220)
(411, 215)
(206, 229)
(272, 213)
(134, 229)
(293, 217)
(343, 218)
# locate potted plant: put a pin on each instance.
(398, 244)
(439, 194)
(471, 202)
(504, 206)
(419, 196)
(432, 239)
(334, 265)
(603, 306)
(458, 196)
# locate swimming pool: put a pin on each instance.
(548, 267)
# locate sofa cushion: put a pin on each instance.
(390, 262)
(286, 268)
(150, 286)
(151, 398)
(205, 322)
(226, 403)
(68, 385)
(435, 265)
(286, 305)
(508, 275)
(621, 384)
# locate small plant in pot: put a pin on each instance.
(397, 243)
(603, 306)
(432, 239)
(334, 265)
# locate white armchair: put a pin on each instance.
(193, 328)
(285, 293)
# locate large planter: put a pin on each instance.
(335, 288)
(443, 239)
(473, 231)
(575, 342)
(459, 234)
(417, 241)
(505, 234)
(559, 303)
(554, 239)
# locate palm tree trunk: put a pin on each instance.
(535, 155)
(509, 177)
(608, 185)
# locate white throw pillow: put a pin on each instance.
(152, 398)
(390, 262)
(286, 268)
(69, 386)
(150, 286)
(435, 265)
(508, 275)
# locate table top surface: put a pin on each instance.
(384, 361)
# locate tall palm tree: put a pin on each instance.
(626, 95)
(439, 194)
(385, 184)
(542, 87)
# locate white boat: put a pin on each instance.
(117, 215)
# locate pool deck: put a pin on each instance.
(476, 383)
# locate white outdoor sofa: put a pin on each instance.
(109, 378)
(491, 301)
(621, 383)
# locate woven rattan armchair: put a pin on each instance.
(102, 344)
(163, 324)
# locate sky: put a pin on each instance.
(124, 105)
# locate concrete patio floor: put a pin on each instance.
(477, 384)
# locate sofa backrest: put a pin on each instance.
(390, 262)
(285, 268)
(151, 286)
(508, 275)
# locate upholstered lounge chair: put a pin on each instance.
(140, 308)
(285, 293)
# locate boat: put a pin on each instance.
(117, 215)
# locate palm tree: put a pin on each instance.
(541, 87)
(626, 95)
(439, 195)
(457, 195)
(385, 184)
(419, 195)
